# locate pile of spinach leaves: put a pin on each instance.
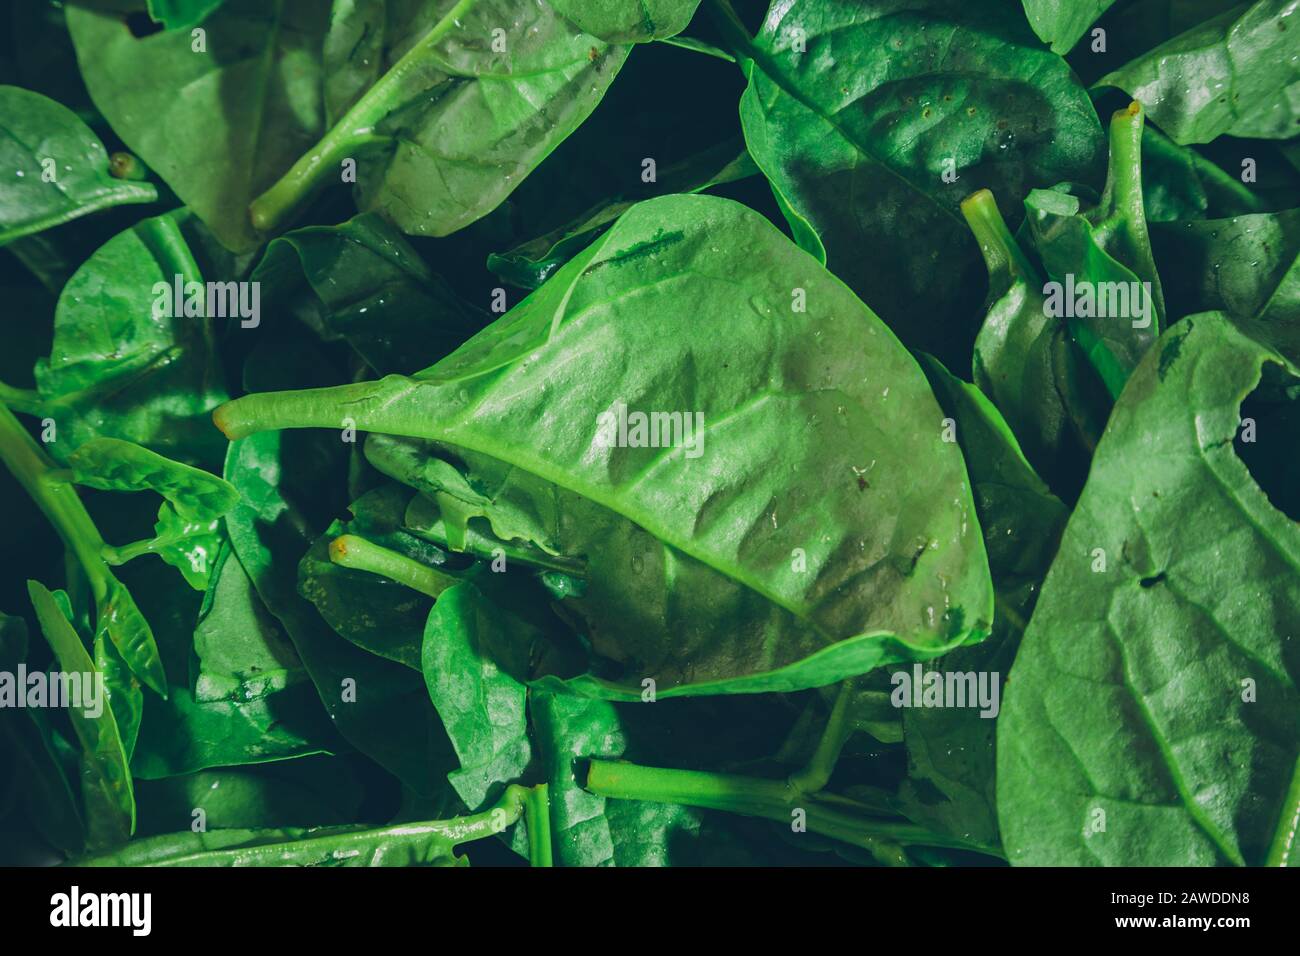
(319, 314)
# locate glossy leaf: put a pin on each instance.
(249, 700)
(1147, 645)
(115, 465)
(883, 582)
(1247, 267)
(116, 372)
(444, 116)
(897, 111)
(220, 124)
(105, 776)
(1060, 23)
(951, 750)
(431, 843)
(374, 612)
(1236, 73)
(56, 169)
(480, 703)
(362, 281)
(628, 21)
(182, 14)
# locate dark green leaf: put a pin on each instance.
(56, 169)
(1151, 713)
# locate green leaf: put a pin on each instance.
(46, 794)
(125, 698)
(365, 696)
(35, 195)
(1179, 183)
(309, 791)
(1247, 267)
(114, 370)
(628, 21)
(1150, 717)
(444, 116)
(1060, 23)
(105, 776)
(248, 700)
(707, 588)
(430, 843)
(873, 121)
(480, 703)
(1236, 73)
(220, 124)
(363, 282)
(115, 465)
(182, 14)
(187, 545)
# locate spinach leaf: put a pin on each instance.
(117, 465)
(770, 587)
(1179, 183)
(218, 122)
(481, 704)
(951, 750)
(116, 371)
(1060, 23)
(445, 107)
(1142, 646)
(237, 692)
(182, 14)
(428, 843)
(105, 777)
(874, 120)
(1236, 73)
(1247, 267)
(363, 282)
(1101, 250)
(618, 21)
(56, 169)
(377, 613)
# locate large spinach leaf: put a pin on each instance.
(739, 577)
(1151, 717)
(874, 120)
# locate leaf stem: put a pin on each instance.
(537, 820)
(1003, 257)
(355, 129)
(1279, 851)
(831, 816)
(839, 728)
(25, 400)
(352, 551)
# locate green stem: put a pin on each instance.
(353, 131)
(25, 400)
(537, 820)
(839, 818)
(1005, 260)
(839, 728)
(351, 551)
(57, 499)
